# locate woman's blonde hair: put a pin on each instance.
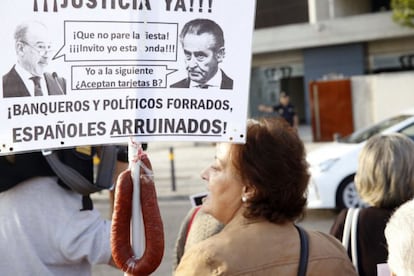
(385, 175)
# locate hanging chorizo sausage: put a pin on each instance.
(122, 252)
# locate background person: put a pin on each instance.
(27, 77)
(285, 109)
(203, 44)
(400, 240)
(384, 180)
(196, 226)
(258, 205)
(47, 228)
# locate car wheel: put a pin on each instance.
(347, 195)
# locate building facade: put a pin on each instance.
(300, 42)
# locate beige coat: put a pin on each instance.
(261, 248)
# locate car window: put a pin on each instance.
(364, 134)
(409, 131)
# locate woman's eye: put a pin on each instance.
(214, 167)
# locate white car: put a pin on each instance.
(333, 166)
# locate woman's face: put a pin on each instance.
(225, 186)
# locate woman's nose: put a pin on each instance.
(204, 174)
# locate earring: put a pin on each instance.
(244, 199)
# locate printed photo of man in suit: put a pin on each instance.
(34, 51)
(203, 44)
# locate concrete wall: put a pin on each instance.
(362, 101)
(328, 9)
(376, 97)
(351, 29)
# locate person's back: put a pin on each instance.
(44, 232)
(275, 251)
(196, 226)
(384, 180)
(372, 248)
(48, 223)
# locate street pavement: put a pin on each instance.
(177, 167)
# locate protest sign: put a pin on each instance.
(111, 70)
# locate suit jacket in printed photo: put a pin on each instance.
(226, 82)
(13, 85)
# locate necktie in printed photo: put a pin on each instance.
(203, 86)
(37, 87)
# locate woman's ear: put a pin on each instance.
(249, 191)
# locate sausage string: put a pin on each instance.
(123, 253)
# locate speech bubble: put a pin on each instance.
(91, 77)
(119, 40)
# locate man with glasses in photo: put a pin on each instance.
(27, 77)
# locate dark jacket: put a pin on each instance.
(372, 246)
(13, 85)
(226, 82)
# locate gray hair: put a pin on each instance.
(201, 26)
(385, 175)
(399, 234)
(22, 29)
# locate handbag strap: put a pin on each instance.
(350, 232)
(354, 249)
(304, 251)
(347, 228)
(190, 222)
